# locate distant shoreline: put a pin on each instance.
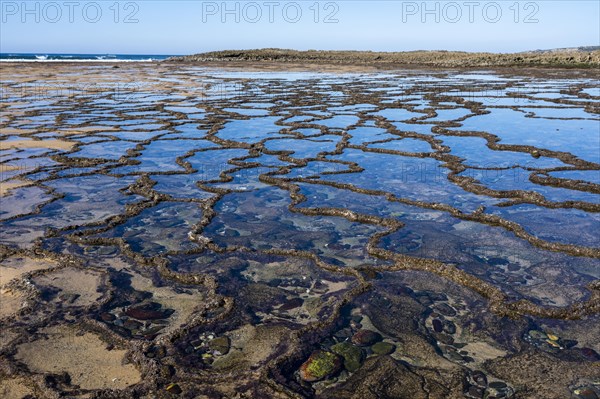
(578, 58)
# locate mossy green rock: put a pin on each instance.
(366, 337)
(320, 365)
(352, 354)
(383, 348)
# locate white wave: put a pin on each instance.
(112, 60)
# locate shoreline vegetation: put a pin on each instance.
(581, 57)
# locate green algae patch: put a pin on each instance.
(320, 365)
(352, 354)
(383, 348)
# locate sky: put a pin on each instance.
(193, 26)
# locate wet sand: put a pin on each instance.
(84, 357)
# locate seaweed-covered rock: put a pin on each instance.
(320, 365)
(352, 354)
(383, 377)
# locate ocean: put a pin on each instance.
(50, 57)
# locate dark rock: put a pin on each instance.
(498, 385)
(437, 325)
(455, 357)
(148, 311)
(132, 324)
(231, 233)
(152, 330)
(445, 309)
(513, 268)
(343, 333)
(479, 378)
(425, 300)
(107, 317)
(444, 339)
(497, 261)
(366, 337)
(569, 343)
(57, 380)
(474, 392)
(590, 354)
(438, 296)
(586, 393)
(449, 327)
(276, 282)
(292, 304)
(167, 371)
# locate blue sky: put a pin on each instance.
(183, 27)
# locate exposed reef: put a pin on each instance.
(175, 231)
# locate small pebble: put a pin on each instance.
(174, 389)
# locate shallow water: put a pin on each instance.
(456, 215)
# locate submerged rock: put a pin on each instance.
(383, 377)
(497, 261)
(446, 309)
(343, 333)
(590, 354)
(479, 378)
(437, 325)
(132, 324)
(292, 304)
(535, 334)
(585, 393)
(148, 311)
(352, 354)
(320, 365)
(474, 392)
(107, 317)
(383, 348)
(220, 345)
(366, 337)
(498, 385)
